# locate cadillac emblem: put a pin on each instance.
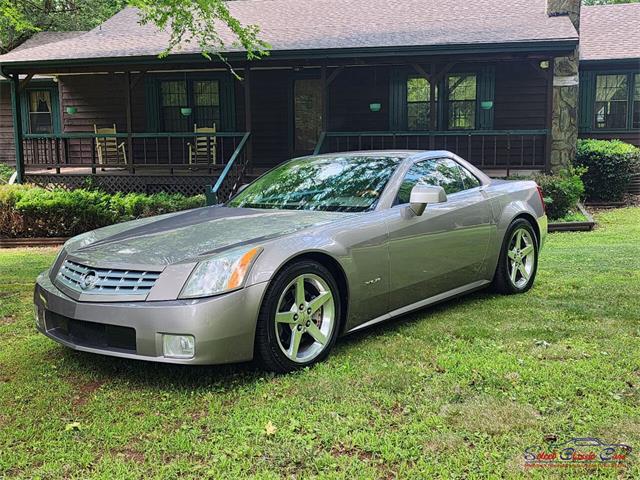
(89, 280)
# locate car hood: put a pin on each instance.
(185, 236)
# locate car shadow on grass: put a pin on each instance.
(141, 374)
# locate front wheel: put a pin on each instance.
(299, 318)
(518, 262)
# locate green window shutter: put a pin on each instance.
(227, 103)
(585, 103)
(486, 90)
(398, 100)
(151, 101)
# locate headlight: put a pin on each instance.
(222, 273)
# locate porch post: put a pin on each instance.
(129, 121)
(17, 126)
(324, 87)
(247, 111)
(432, 107)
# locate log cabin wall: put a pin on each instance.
(7, 147)
(271, 116)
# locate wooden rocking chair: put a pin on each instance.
(108, 147)
(203, 148)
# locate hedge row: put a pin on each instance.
(28, 211)
(609, 166)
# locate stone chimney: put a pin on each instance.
(564, 117)
(556, 8)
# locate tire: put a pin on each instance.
(293, 333)
(505, 281)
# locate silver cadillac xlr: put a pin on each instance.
(316, 248)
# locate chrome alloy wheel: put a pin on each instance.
(522, 257)
(305, 318)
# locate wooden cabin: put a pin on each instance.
(495, 83)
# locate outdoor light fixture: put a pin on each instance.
(544, 64)
(178, 346)
(185, 111)
(375, 107)
(71, 110)
(486, 105)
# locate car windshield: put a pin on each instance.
(331, 183)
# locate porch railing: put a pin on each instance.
(189, 153)
(486, 149)
(231, 177)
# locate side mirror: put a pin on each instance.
(242, 187)
(422, 194)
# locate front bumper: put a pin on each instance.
(223, 326)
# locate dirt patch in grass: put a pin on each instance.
(445, 442)
(489, 415)
(341, 449)
(129, 454)
(8, 320)
(84, 391)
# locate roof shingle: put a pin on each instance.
(289, 25)
(610, 32)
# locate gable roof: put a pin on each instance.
(610, 32)
(329, 25)
(44, 38)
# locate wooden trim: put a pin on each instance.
(334, 74)
(549, 122)
(25, 81)
(32, 242)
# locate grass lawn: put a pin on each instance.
(456, 391)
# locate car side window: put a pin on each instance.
(442, 172)
(468, 178)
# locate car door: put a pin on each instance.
(446, 246)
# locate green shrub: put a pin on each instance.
(28, 211)
(5, 173)
(610, 165)
(561, 191)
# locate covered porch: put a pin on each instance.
(187, 127)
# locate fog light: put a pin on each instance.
(38, 315)
(178, 346)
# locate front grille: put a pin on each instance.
(90, 334)
(102, 281)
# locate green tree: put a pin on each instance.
(188, 21)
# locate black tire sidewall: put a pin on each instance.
(267, 349)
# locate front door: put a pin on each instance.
(307, 114)
(446, 246)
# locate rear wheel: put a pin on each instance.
(518, 262)
(299, 318)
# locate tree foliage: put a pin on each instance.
(188, 21)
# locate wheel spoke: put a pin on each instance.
(523, 272)
(315, 332)
(514, 271)
(300, 290)
(296, 336)
(527, 250)
(511, 254)
(285, 317)
(319, 301)
(519, 239)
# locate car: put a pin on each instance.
(318, 247)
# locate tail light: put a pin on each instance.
(544, 207)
